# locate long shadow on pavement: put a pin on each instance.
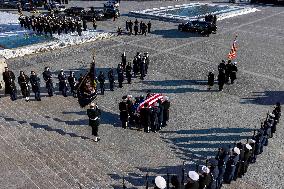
(265, 98)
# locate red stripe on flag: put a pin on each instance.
(151, 101)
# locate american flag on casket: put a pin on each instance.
(154, 97)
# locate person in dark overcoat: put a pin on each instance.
(193, 182)
(166, 112)
(234, 70)
(210, 80)
(221, 80)
(124, 116)
(47, 76)
(72, 80)
(123, 60)
(154, 118)
(23, 81)
(128, 72)
(145, 118)
(205, 178)
(94, 114)
(101, 79)
(63, 83)
(10, 87)
(120, 76)
(35, 82)
(110, 79)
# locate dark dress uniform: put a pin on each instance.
(35, 82)
(154, 119)
(192, 185)
(204, 181)
(130, 24)
(63, 84)
(10, 87)
(210, 80)
(101, 79)
(222, 161)
(123, 108)
(166, 112)
(149, 27)
(135, 29)
(111, 79)
(72, 80)
(221, 80)
(160, 115)
(145, 118)
(123, 61)
(214, 172)
(128, 73)
(94, 119)
(120, 76)
(231, 168)
(240, 163)
(247, 156)
(23, 81)
(147, 62)
(228, 71)
(135, 66)
(233, 75)
(47, 76)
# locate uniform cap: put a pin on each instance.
(166, 98)
(92, 105)
(237, 150)
(205, 169)
(160, 182)
(129, 96)
(248, 147)
(193, 175)
(235, 63)
(156, 104)
(271, 115)
(251, 141)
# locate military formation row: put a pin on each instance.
(229, 164)
(51, 24)
(226, 72)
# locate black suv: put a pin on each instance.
(202, 27)
(98, 14)
(74, 11)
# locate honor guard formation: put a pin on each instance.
(230, 163)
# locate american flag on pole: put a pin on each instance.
(233, 52)
(151, 101)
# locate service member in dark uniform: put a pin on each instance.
(128, 72)
(110, 79)
(123, 108)
(120, 76)
(101, 79)
(62, 83)
(72, 80)
(221, 80)
(166, 104)
(23, 81)
(123, 60)
(154, 118)
(222, 157)
(35, 82)
(47, 76)
(149, 25)
(205, 178)
(231, 166)
(10, 87)
(94, 114)
(214, 171)
(193, 180)
(234, 71)
(210, 80)
(145, 118)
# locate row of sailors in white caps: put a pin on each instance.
(206, 178)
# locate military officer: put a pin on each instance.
(205, 178)
(120, 75)
(123, 60)
(142, 68)
(166, 113)
(111, 79)
(231, 165)
(149, 25)
(223, 157)
(214, 171)
(124, 116)
(154, 118)
(147, 61)
(10, 87)
(145, 118)
(23, 81)
(193, 180)
(210, 80)
(35, 82)
(62, 83)
(47, 76)
(94, 114)
(221, 80)
(101, 79)
(128, 72)
(234, 70)
(72, 80)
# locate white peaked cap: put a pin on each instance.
(93, 104)
(205, 169)
(251, 141)
(271, 114)
(193, 175)
(248, 147)
(237, 150)
(160, 182)
(166, 98)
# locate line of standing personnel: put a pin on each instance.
(138, 28)
(227, 73)
(27, 83)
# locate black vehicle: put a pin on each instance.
(74, 11)
(202, 27)
(98, 14)
(28, 7)
(110, 12)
